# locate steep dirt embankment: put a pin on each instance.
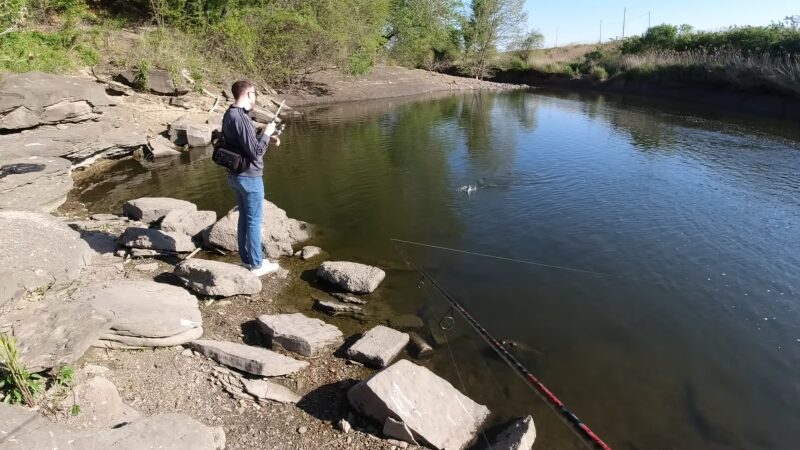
(332, 86)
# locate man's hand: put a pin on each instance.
(269, 130)
(274, 140)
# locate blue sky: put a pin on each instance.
(579, 20)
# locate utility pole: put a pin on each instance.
(556, 37)
(624, 16)
(601, 32)
(648, 20)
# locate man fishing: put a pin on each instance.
(239, 134)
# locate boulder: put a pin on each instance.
(216, 278)
(278, 232)
(262, 115)
(34, 183)
(148, 238)
(520, 435)
(46, 333)
(38, 251)
(267, 390)
(158, 147)
(350, 276)
(378, 347)
(23, 428)
(198, 135)
(215, 121)
(300, 334)
(150, 209)
(100, 405)
(435, 412)
(253, 360)
(34, 98)
(177, 130)
(158, 82)
(146, 313)
(190, 223)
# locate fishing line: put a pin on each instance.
(587, 435)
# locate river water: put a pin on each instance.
(685, 335)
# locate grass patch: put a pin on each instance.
(53, 52)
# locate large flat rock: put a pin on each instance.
(34, 183)
(378, 346)
(254, 360)
(34, 98)
(150, 209)
(38, 250)
(79, 143)
(435, 412)
(278, 231)
(146, 313)
(216, 278)
(300, 334)
(352, 277)
(47, 335)
(23, 429)
(152, 239)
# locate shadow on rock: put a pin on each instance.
(20, 169)
(328, 402)
(252, 335)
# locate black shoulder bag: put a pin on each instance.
(232, 161)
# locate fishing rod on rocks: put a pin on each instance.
(583, 430)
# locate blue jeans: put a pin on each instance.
(250, 198)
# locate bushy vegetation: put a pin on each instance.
(275, 41)
(762, 59)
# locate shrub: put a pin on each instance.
(599, 73)
(17, 384)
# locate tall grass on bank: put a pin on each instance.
(731, 68)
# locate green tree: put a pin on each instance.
(421, 32)
(531, 41)
(492, 24)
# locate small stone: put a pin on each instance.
(419, 347)
(151, 267)
(309, 252)
(344, 426)
(302, 430)
(187, 353)
(398, 444)
(91, 369)
(520, 435)
(267, 390)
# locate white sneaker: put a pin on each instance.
(266, 267)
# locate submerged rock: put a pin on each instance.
(378, 347)
(300, 334)
(435, 412)
(217, 278)
(254, 360)
(333, 308)
(350, 276)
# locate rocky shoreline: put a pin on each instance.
(170, 345)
